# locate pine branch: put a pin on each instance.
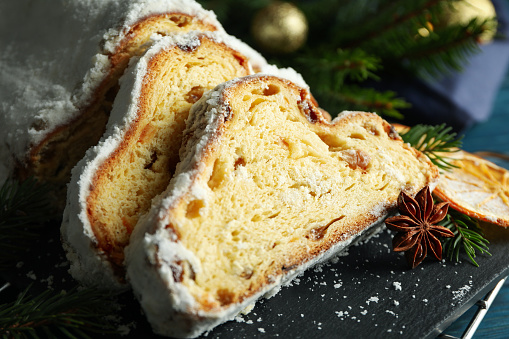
(391, 20)
(23, 209)
(23, 203)
(72, 314)
(363, 99)
(437, 142)
(332, 78)
(334, 68)
(350, 41)
(467, 236)
(443, 50)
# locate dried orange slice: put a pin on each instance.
(477, 188)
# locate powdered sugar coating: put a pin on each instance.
(88, 265)
(55, 55)
(344, 115)
(285, 73)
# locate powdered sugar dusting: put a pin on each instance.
(49, 77)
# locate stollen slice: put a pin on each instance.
(117, 179)
(266, 188)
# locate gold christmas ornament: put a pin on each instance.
(280, 28)
(465, 10)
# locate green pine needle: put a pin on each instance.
(353, 98)
(434, 141)
(444, 50)
(23, 203)
(334, 68)
(23, 209)
(350, 42)
(467, 236)
(74, 314)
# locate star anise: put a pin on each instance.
(418, 233)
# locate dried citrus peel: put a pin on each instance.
(477, 188)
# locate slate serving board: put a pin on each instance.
(369, 292)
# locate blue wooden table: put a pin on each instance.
(492, 135)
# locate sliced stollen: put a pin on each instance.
(60, 71)
(117, 179)
(266, 188)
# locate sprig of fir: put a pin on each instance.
(437, 142)
(467, 235)
(339, 72)
(55, 315)
(398, 37)
(23, 208)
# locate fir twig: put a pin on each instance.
(443, 50)
(354, 98)
(467, 236)
(23, 203)
(437, 142)
(72, 314)
(335, 67)
(391, 18)
(23, 208)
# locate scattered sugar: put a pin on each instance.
(461, 292)
(397, 285)
(48, 280)
(391, 312)
(62, 264)
(31, 275)
(261, 330)
(341, 314)
(372, 299)
(395, 302)
(124, 330)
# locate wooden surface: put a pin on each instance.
(492, 135)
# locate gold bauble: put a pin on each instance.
(280, 28)
(465, 10)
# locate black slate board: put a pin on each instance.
(368, 293)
